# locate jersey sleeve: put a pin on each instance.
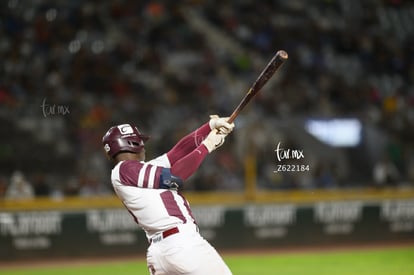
(188, 144)
(138, 174)
(188, 165)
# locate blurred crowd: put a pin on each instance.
(72, 69)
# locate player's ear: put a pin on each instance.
(106, 154)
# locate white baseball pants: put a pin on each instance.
(185, 252)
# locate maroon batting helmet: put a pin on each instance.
(123, 138)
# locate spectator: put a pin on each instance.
(103, 62)
(19, 187)
(40, 186)
(385, 173)
(3, 186)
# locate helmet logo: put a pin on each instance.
(125, 129)
(107, 148)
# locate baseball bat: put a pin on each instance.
(274, 64)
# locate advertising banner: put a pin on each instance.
(95, 232)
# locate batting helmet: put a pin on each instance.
(123, 138)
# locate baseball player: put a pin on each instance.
(150, 192)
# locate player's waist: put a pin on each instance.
(178, 229)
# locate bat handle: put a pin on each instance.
(232, 117)
(230, 120)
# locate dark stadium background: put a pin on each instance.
(71, 69)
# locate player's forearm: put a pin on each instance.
(188, 165)
(188, 143)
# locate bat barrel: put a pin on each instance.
(278, 59)
(283, 54)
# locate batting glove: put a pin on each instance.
(214, 140)
(221, 124)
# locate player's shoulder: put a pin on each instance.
(127, 165)
(131, 162)
(126, 172)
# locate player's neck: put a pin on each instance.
(128, 156)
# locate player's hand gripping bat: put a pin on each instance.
(278, 59)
